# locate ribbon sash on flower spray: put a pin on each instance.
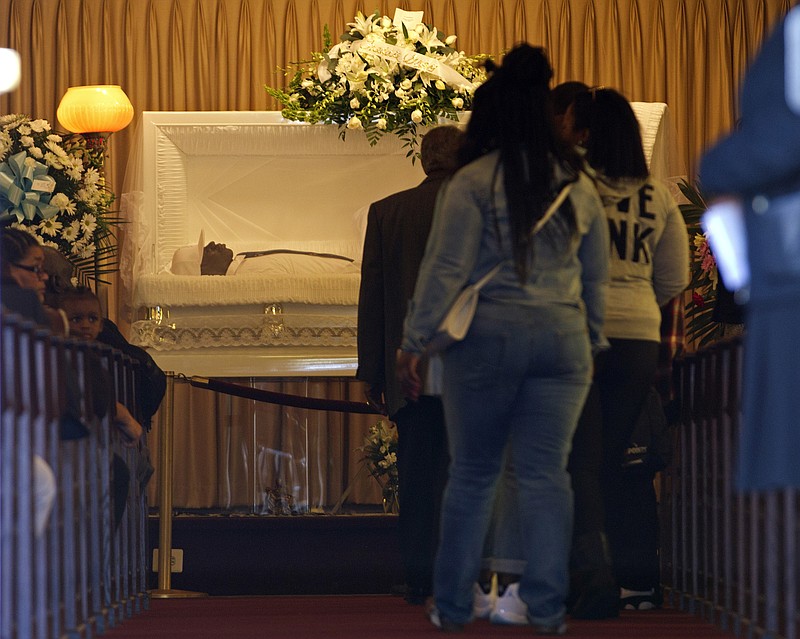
(410, 20)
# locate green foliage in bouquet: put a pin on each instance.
(52, 187)
(701, 329)
(380, 460)
(383, 78)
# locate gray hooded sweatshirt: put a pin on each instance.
(649, 255)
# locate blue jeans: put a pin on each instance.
(522, 373)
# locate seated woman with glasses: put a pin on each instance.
(24, 279)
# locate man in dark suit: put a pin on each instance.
(397, 231)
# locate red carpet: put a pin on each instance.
(365, 617)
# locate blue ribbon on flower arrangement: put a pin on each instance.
(25, 189)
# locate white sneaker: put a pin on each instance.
(509, 609)
(637, 599)
(482, 601)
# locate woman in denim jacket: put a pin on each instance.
(523, 371)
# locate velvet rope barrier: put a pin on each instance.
(285, 399)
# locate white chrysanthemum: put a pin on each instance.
(55, 148)
(50, 159)
(51, 226)
(60, 201)
(40, 126)
(87, 251)
(26, 141)
(35, 152)
(24, 129)
(89, 223)
(28, 229)
(55, 138)
(92, 177)
(70, 233)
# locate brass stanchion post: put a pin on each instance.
(165, 459)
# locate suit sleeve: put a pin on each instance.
(371, 332)
(761, 156)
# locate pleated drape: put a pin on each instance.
(218, 54)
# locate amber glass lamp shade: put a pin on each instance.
(100, 108)
(9, 70)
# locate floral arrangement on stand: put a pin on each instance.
(701, 329)
(52, 187)
(384, 76)
(380, 460)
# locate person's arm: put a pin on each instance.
(130, 429)
(671, 255)
(594, 257)
(450, 256)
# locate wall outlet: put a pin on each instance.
(176, 561)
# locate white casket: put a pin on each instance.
(256, 183)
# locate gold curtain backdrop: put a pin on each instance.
(195, 55)
(199, 55)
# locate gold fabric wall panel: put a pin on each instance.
(218, 55)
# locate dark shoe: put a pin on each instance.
(594, 593)
(556, 630)
(638, 599)
(442, 623)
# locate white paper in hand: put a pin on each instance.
(723, 224)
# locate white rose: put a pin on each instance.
(380, 123)
(354, 103)
(413, 36)
(450, 40)
(406, 84)
(386, 22)
(416, 116)
(354, 123)
(440, 85)
(420, 28)
(458, 103)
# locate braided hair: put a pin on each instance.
(512, 113)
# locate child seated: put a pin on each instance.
(85, 318)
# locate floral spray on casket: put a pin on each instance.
(385, 75)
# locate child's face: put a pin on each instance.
(85, 318)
